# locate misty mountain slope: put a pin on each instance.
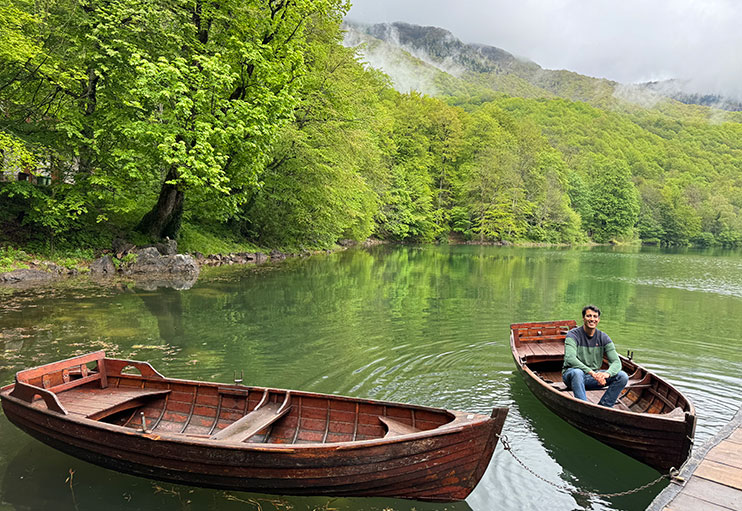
(483, 65)
(500, 71)
(407, 72)
(434, 62)
(678, 90)
(439, 74)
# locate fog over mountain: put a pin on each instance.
(689, 45)
(414, 57)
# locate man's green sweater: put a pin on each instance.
(587, 353)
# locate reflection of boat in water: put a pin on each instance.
(580, 463)
(250, 438)
(35, 478)
(651, 421)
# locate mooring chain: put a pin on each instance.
(506, 445)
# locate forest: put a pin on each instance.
(248, 123)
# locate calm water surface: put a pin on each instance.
(427, 325)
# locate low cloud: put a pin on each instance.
(384, 56)
(629, 41)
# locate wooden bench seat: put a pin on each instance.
(96, 404)
(252, 423)
(396, 428)
(532, 352)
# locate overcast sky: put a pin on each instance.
(624, 40)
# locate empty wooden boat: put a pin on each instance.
(651, 421)
(124, 415)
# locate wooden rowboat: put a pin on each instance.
(124, 415)
(651, 421)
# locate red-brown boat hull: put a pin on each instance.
(660, 436)
(442, 464)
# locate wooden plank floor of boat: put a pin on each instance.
(713, 476)
(533, 349)
(98, 403)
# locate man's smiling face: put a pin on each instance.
(590, 320)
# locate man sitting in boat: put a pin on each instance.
(584, 350)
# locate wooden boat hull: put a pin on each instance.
(439, 464)
(652, 422)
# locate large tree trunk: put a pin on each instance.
(164, 218)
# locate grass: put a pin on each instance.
(76, 250)
(17, 259)
(212, 239)
(14, 259)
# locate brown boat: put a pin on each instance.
(651, 421)
(124, 415)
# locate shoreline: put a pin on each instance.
(150, 268)
(153, 266)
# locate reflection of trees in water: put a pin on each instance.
(166, 305)
(382, 299)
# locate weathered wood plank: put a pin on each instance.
(554, 348)
(34, 372)
(708, 481)
(543, 338)
(396, 428)
(537, 349)
(252, 423)
(106, 401)
(526, 350)
(594, 397)
(709, 491)
(685, 502)
(720, 473)
(727, 453)
(736, 437)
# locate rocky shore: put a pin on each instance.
(149, 266)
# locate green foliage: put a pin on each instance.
(614, 201)
(186, 96)
(55, 209)
(213, 238)
(15, 156)
(514, 186)
(318, 187)
(13, 259)
(249, 124)
(124, 261)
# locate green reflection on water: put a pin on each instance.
(427, 325)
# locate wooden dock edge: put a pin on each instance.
(664, 500)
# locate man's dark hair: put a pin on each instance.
(590, 308)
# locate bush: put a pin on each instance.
(12, 259)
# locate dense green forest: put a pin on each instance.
(235, 123)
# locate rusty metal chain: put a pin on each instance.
(506, 445)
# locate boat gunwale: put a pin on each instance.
(658, 440)
(456, 425)
(160, 379)
(623, 419)
(449, 459)
(525, 367)
(598, 408)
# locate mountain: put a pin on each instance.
(684, 92)
(433, 61)
(401, 50)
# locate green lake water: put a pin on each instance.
(426, 325)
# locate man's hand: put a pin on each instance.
(600, 377)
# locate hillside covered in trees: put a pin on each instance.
(264, 123)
